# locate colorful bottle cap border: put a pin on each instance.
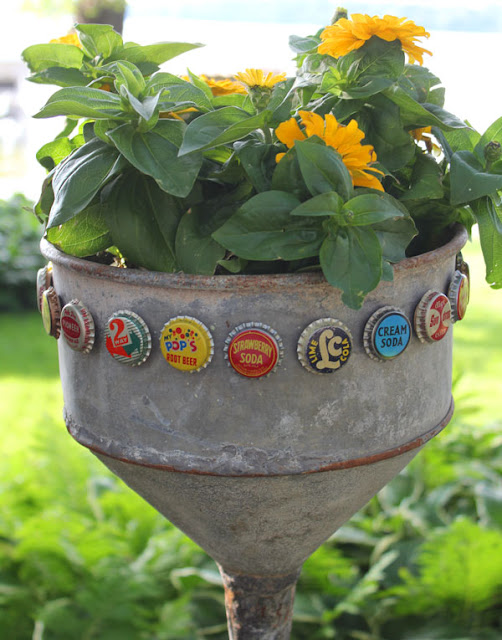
(387, 334)
(254, 349)
(432, 317)
(458, 295)
(127, 338)
(44, 281)
(324, 346)
(77, 326)
(51, 312)
(186, 344)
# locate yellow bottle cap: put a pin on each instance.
(186, 344)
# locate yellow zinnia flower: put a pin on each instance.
(346, 35)
(257, 78)
(223, 87)
(71, 38)
(220, 87)
(420, 135)
(345, 139)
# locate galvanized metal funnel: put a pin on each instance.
(258, 472)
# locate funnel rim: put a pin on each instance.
(235, 282)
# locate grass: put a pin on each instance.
(477, 352)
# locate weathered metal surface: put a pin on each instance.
(263, 526)
(216, 421)
(259, 608)
(344, 464)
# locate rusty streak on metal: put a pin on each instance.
(335, 466)
(259, 607)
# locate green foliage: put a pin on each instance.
(143, 121)
(19, 254)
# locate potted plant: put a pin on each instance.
(278, 260)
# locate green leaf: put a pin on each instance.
(367, 88)
(263, 229)
(79, 177)
(421, 82)
(187, 93)
(54, 152)
(39, 57)
(492, 134)
(156, 53)
(325, 204)
(234, 264)
(126, 74)
(281, 101)
(220, 127)
(351, 260)
(143, 221)
(489, 220)
(323, 169)
(43, 207)
(60, 76)
(99, 39)
(371, 209)
(300, 44)
(461, 139)
(425, 180)
(196, 252)
(155, 153)
(288, 177)
(83, 235)
(394, 236)
(146, 108)
(393, 145)
(415, 115)
(82, 102)
(468, 180)
(379, 58)
(258, 161)
(201, 85)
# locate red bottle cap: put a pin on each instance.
(77, 326)
(432, 317)
(253, 349)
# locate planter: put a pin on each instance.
(259, 472)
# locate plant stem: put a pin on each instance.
(268, 135)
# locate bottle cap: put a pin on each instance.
(77, 326)
(253, 349)
(324, 346)
(458, 295)
(432, 317)
(186, 344)
(386, 334)
(51, 312)
(128, 338)
(44, 281)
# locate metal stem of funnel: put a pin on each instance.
(259, 607)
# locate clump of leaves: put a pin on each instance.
(179, 178)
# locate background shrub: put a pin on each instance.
(20, 258)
